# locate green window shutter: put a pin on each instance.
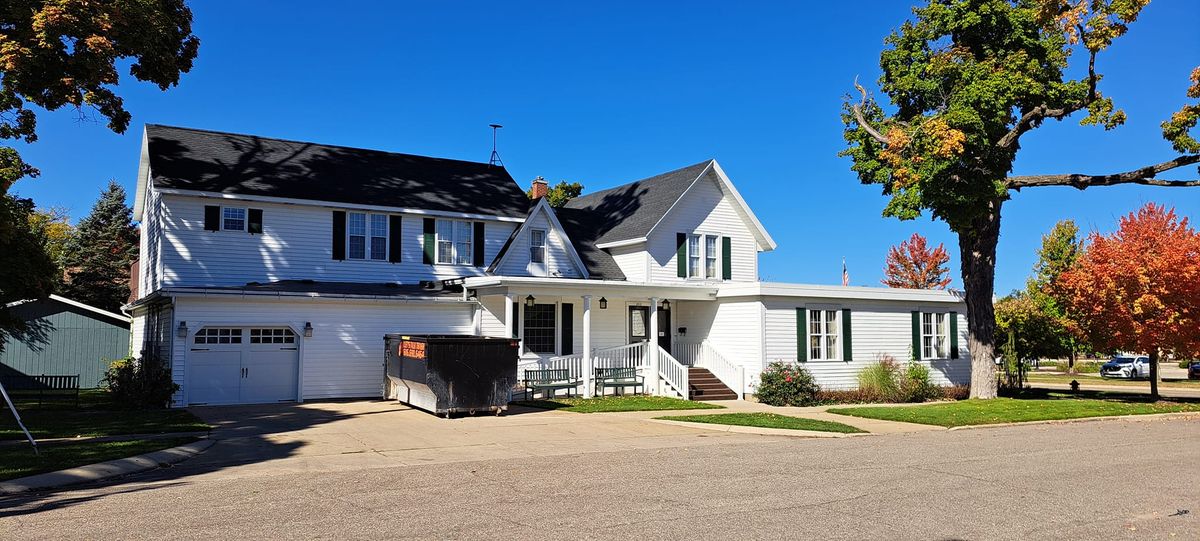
(726, 258)
(428, 243)
(395, 236)
(847, 348)
(953, 335)
(477, 243)
(212, 217)
(681, 255)
(801, 334)
(916, 335)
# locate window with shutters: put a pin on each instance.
(823, 334)
(453, 240)
(935, 336)
(539, 328)
(366, 236)
(233, 219)
(703, 256)
(693, 253)
(710, 256)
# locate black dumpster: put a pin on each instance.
(443, 374)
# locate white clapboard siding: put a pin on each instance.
(559, 262)
(705, 210)
(344, 357)
(150, 244)
(733, 327)
(610, 327)
(633, 261)
(877, 329)
(137, 333)
(295, 244)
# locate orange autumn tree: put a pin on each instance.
(912, 265)
(1138, 290)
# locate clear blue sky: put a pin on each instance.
(608, 93)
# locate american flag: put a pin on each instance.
(845, 273)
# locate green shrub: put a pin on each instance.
(1186, 363)
(140, 384)
(915, 385)
(881, 379)
(784, 384)
(887, 381)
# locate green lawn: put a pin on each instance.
(1095, 380)
(93, 416)
(617, 403)
(19, 460)
(1048, 406)
(767, 420)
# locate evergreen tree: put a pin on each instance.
(98, 256)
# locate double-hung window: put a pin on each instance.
(454, 242)
(710, 256)
(233, 219)
(537, 246)
(367, 236)
(539, 328)
(693, 249)
(935, 336)
(823, 335)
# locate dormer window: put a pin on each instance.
(537, 246)
(367, 236)
(233, 219)
(453, 242)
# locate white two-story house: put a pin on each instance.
(270, 271)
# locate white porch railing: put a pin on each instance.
(626, 356)
(673, 373)
(703, 355)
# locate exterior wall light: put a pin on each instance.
(666, 304)
(603, 303)
(308, 329)
(529, 301)
(182, 330)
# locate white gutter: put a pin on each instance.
(775, 289)
(620, 243)
(290, 295)
(337, 205)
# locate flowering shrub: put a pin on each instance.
(784, 384)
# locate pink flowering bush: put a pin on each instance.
(783, 384)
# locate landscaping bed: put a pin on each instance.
(616, 404)
(19, 461)
(767, 420)
(1032, 406)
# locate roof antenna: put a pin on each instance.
(495, 159)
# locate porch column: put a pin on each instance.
(587, 346)
(652, 349)
(509, 329)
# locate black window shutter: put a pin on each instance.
(395, 235)
(339, 235)
(568, 328)
(254, 221)
(516, 325)
(428, 243)
(847, 348)
(726, 258)
(212, 218)
(681, 255)
(801, 334)
(477, 244)
(953, 335)
(916, 335)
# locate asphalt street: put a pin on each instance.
(1119, 479)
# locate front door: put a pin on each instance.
(664, 330)
(639, 326)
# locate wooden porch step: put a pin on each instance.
(703, 385)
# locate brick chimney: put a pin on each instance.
(540, 188)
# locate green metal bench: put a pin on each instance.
(619, 379)
(52, 386)
(548, 381)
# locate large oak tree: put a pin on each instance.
(965, 80)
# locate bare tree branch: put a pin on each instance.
(1145, 175)
(858, 116)
(1032, 119)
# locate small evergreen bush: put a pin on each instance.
(140, 384)
(784, 384)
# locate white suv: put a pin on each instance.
(1126, 367)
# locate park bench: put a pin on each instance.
(618, 379)
(548, 381)
(22, 385)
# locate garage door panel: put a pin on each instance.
(270, 376)
(231, 365)
(214, 377)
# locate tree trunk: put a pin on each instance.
(977, 249)
(1154, 373)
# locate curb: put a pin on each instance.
(105, 470)
(102, 439)
(1149, 416)
(760, 430)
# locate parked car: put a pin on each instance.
(1126, 367)
(1194, 370)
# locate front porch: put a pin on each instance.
(583, 326)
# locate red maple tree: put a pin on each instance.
(1138, 290)
(912, 265)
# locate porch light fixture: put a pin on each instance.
(529, 301)
(308, 329)
(603, 303)
(181, 332)
(666, 304)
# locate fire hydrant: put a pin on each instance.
(1074, 386)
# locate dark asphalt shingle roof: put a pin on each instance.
(582, 227)
(191, 159)
(631, 210)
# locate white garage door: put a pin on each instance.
(242, 365)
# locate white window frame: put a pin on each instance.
(712, 256)
(702, 256)
(536, 248)
(380, 220)
(696, 256)
(461, 250)
(935, 336)
(367, 235)
(826, 350)
(245, 219)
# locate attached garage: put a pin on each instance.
(243, 365)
